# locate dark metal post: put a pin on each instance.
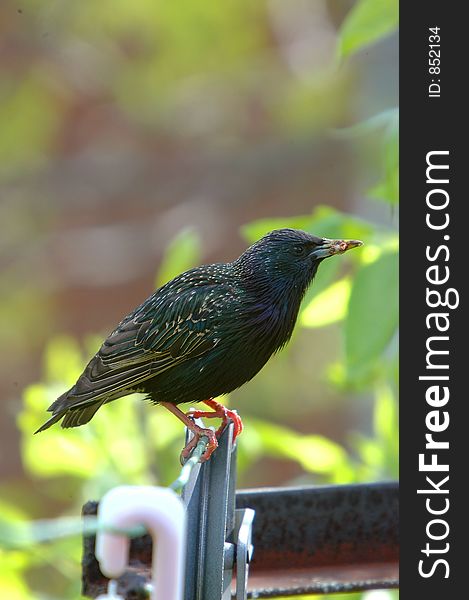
(210, 500)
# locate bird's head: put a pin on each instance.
(291, 255)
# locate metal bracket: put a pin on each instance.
(244, 549)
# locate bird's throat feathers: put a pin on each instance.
(275, 298)
(271, 284)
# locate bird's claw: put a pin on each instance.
(231, 415)
(212, 445)
(219, 411)
(226, 416)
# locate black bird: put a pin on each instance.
(203, 334)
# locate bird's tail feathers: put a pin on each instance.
(78, 405)
(63, 402)
(50, 422)
(75, 411)
(73, 416)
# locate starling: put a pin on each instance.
(203, 334)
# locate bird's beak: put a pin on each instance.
(331, 247)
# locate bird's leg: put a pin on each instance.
(196, 430)
(221, 412)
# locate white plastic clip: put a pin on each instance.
(111, 593)
(162, 513)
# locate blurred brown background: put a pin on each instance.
(122, 123)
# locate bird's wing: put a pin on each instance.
(163, 332)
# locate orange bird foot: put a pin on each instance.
(219, 411)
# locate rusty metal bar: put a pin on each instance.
(323, 539)
(306, 540)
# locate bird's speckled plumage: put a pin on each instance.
(204, 333)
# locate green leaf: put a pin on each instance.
(385, 119)
(314, 453)
(387, 242)
(386, 123)
(386, 426)
(12, 582)
(388, 188)
(257, 229)
(118, 438)
(57, 452)
(370, 451)
(324, 277)
(329, 306)
(182, 253)
(380, 453)
(367, 22)
(329, 222)
(61, 453)
(385, 413)
(64, 360)
(372, 316)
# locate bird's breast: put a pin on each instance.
(268, 327)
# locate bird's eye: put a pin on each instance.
(299, 250)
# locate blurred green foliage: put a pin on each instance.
(368, 21)
(182, 253)
(130, 442)
(387, 122)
